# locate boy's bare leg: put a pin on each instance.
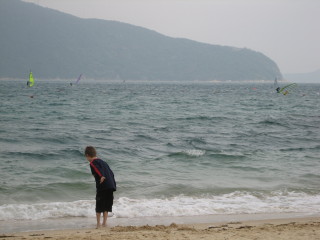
(98, 219)
(105, 217)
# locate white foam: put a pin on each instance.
(46, 210)
(195, 152)
(233, 203)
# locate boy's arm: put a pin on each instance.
(98, 171)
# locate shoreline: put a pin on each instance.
(276, 228)
(73, 223)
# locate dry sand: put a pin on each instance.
(299, 228)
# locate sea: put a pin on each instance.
(177, 149)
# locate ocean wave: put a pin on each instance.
(124, 207)
(233, 203)
(300, 149)
(46, 210)
(189, 153)
(195, 152)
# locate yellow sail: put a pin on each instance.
(31, 80)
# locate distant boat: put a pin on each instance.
(30, 83)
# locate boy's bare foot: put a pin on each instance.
(104, 225)
(98, 226)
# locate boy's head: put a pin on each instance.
(90, 152)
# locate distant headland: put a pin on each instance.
(58, 45)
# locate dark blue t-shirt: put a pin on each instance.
(100, 168)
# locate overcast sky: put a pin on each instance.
(287, 31)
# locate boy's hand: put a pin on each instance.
(102, 179)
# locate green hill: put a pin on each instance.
(58, 45)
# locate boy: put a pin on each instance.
(105, 184)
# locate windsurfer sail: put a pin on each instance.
(78, 79)
(30, 83)
(286, 89)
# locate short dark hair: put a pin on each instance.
(90, 151)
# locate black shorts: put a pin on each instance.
(104, 201)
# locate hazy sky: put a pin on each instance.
(287, 31)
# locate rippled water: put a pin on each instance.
(175, 148)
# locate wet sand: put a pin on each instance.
(290, 228)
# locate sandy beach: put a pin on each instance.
(291, 228)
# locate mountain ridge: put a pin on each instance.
(59, 45)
